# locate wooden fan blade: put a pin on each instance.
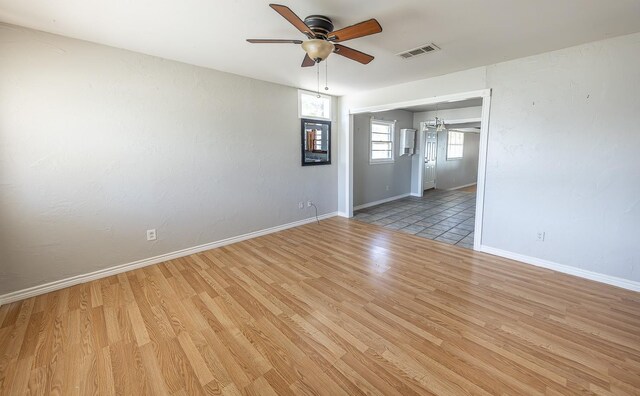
(306, 62)
(293, 19)
(354, 31)
(353, 54)
(274, 41)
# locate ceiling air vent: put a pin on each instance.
(425, 49)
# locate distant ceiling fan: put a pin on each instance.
(321, 37)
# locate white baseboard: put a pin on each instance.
(83, 278)
(367, 205)
(566, 269)
(416, 195)
(459, 187)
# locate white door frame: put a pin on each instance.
(485, 94)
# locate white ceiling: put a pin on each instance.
(212, 33)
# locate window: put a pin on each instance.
(455, 145)
(312, 106)
(317, 140)
(381, 141)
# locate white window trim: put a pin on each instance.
(392, 124)
(300, 92)
(462, 154)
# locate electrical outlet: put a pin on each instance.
(300, 205)
(309, 203)
(540, 235)
(151, 235)
(387, 188)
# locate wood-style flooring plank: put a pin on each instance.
(339, 307)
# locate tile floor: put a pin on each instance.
(445, 216)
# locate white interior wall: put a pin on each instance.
(98, 144)
(561, 155)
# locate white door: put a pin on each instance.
(430, 151)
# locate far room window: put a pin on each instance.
(381, 141)
(317, 140)
(312, 106)
(455, 145)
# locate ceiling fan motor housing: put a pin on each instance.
(320, 25)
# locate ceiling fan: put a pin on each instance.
(322, 39)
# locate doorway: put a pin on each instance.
(458, 210)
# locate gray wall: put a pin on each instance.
(99, 144)
(370, 181)
(451, 174)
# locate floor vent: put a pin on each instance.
(425, 49)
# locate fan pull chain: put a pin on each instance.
(326, 74)
(318, 75)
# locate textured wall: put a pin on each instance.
(563, 157)
(99, 144)
(370, 180)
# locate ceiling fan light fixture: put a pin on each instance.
(318, 49)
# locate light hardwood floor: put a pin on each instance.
(337, 308)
